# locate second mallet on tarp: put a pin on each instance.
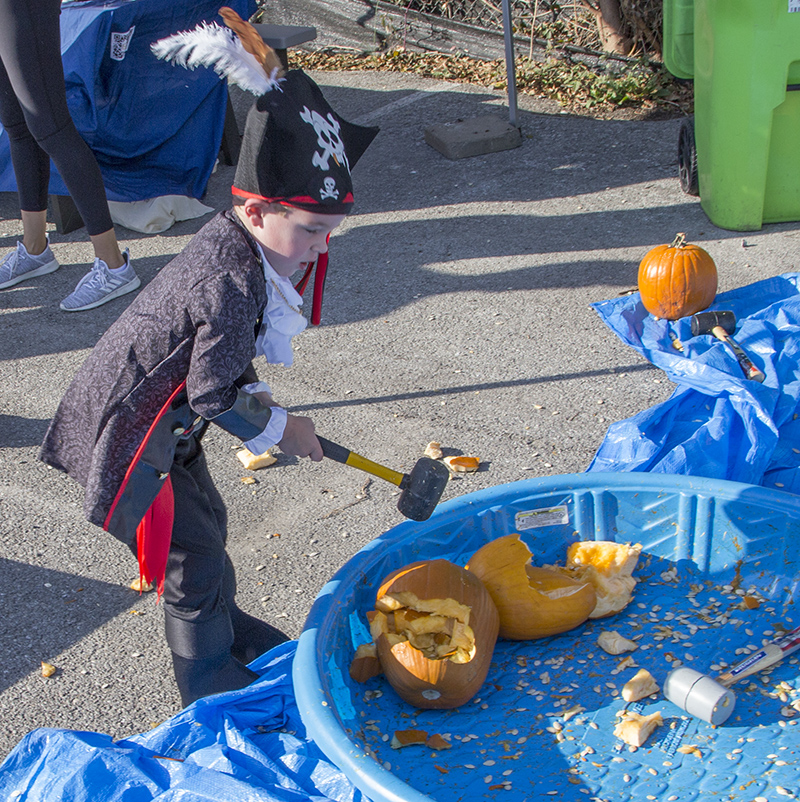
(710, 698)
(722, 324)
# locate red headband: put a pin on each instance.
(300, 201)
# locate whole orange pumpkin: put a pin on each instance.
(677, 280)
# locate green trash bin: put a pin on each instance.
(678, 36)
(746, 69)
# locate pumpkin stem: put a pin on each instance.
(679, 241)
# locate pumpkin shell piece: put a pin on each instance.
(677, 280)
(438, 683)
(532, 602)
(609, 567)
(365, 663)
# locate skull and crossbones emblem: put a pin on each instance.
(327, 130)
(328, 189)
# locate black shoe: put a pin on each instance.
(252, 636)
(209, 675)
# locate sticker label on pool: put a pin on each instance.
(548, 516)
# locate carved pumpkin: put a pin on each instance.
(435, 627)
(677, 280)
(532, 602)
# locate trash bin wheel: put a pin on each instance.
(687, 158)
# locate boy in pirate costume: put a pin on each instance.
(129, 426)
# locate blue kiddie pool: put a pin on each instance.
(716, 579)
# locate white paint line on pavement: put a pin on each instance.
(377, 114)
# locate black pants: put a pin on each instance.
(200, 583)
(34, 113)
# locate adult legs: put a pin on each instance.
(33, 109)
(31, 164)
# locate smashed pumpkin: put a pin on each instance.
(677, 280)
(435, 626)
(609, 567)
(532, 602)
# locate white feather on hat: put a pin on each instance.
(210, 45)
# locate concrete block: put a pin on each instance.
(473, 137)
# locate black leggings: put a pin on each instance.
(33, 110)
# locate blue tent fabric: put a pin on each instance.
(717, 423)
(247, 745)
(155, 128)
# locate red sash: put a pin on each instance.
(154, 532)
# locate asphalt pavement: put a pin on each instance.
(457, 309)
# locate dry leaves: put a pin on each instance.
(571, 83)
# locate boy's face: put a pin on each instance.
(292, 238)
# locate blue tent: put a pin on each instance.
(155, 128)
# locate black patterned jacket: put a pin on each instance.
(195, 322)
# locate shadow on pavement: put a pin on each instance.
(467, 388)
(19, 432)
(46, 611)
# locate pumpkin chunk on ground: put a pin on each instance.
(642, 684)
(366, 663)
(437, 743)
(635, 728)
(614, 643)
(403, 738)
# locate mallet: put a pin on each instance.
(422, 488)
(722, 324)
(710, 698)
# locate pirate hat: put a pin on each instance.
(297, 150)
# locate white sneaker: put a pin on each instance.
(100, 285)
(19, 265)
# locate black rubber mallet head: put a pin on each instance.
(722, 324)
(422, 488)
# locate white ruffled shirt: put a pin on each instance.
(274, 342)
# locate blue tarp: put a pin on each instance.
(247, 745)
(155, 128)
(717, 423)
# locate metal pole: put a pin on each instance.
(511, 73)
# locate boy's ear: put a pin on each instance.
(254, 211)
